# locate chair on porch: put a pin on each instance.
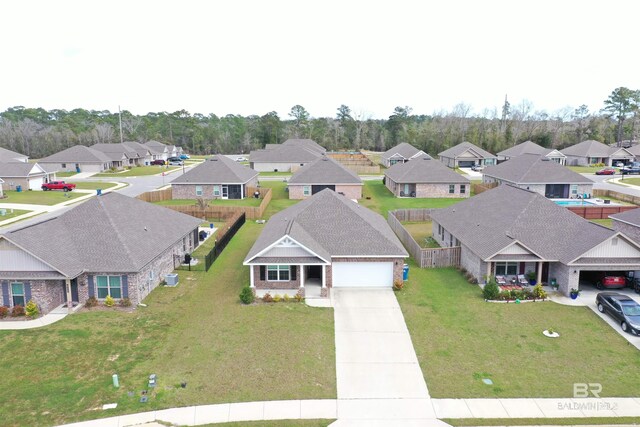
(501, 280)
(522, 280)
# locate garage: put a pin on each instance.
(362, 274)
(36, 183)
(466, 163)
(318, 188)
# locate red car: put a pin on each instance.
(606, 171)
(58, 185)
(607, 279)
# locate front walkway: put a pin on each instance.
(53, 316)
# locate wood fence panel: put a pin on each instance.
(156, 196)
(598, 212)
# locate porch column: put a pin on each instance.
(251, 276)
(324, 276)
(302, 276)
(488, 271)
(67, 287)
(241, 191)
(540, 272)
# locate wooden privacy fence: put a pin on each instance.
(156, 196)
(477, 188)
(424, 257)
(628, 198)
(598, 212)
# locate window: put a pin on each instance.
(463, 188)
(278, 273)
(109, 285)
(439, 229)
(17, 294)
(64, 165)
(306, 190)
(184, 244)
(450, 240)
(574, 188)
(198, 190)
(506, 268)
(452, 188)
(216, 191)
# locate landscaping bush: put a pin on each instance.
(32, 309)
(286, 298)
(17, 311)
(491, 290)
(4, 311)
(299, 297)
(267, 297)
(398, 285)
(91, 302)
(109, 301)
(277, 298)
(125, 302)
(246, 295)
(538, 292)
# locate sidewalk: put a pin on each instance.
(52, 317)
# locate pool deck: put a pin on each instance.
(583, 202)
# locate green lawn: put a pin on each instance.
(631, 181)
(65, 174)
(249, 201)
(460, 339)
(605, 222)
(40, 197)
(275, 173)
(585, 169)
(94, 185)
(10, 213)
(279, 197)
(382, 200)
(421, 231)
(197, 332)
(137, 171)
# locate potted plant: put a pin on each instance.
(574, 293)
(531, 277)
(554, 284)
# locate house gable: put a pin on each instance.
(286, 247)
(617, 246)
(469, 154)
(14, 258)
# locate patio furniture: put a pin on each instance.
(522, 280)
(501, 280)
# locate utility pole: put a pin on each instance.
(120, 117)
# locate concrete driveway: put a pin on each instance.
(378, 374)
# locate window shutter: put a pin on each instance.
(27, 292)
(125, 286)
(5, 293)
(262, 272)
(293, 272)
(92, 291)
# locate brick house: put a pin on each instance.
(592, 152)
(216, 178)
(401, 153)
(628, 223)
(324, 173)
(286, 157)
(79, 158)
(29, 176)
(424, 177)
(323, 242)
(530, 147)
(466, 155)
(109, 245)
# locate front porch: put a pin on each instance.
(307, 280)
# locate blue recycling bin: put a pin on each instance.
(99, 191)
(77, 169)
(19, 188)
(405, 272)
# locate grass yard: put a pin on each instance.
(606, 222)
(47, 198)
(382, 200)
(94, 185)
(460, 339)
(421, 233)
(631, 181)
(137, 171)
(65, 174)
(275, 173)
(197, 332)
(11, 213)
(249, 201)
(279, 197)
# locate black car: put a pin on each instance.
(157, 162)
(633, 168)
(622, 308)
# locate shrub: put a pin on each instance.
(17, 310)
(538, 292)
(31, 309)
(91, 302)
(491, 290)
(299, 297)
(471, 278)
(286, 298)
(4, 311)
(109, 301)
(267, 297)
(246, 295)
(277, 298)
(398, 285)
(125, 302)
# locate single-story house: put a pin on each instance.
(627, 222)
(530, 147)
(109, 245)
(324, 173)
(401, 153)
(143, 152)
(592, 152)
(121, 155)
(509, 231)
(160, 151)
(7, 156)
(286, 157)
(323, 242)
(216, 178)
(540, 174)
(78, 158)
(29, 176)
(424, 177)
(466, 155)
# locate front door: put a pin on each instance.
(406, 189)
(225, 191)
(314, 272)
(74, 291)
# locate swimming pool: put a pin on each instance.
(574, 203)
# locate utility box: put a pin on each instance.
(171, 279)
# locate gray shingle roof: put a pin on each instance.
(137, 147)
(534, 169)
(424, 170)
(217, 170)
(527, 147)
(494, 219)
(117, 149)
(110, 233)
(77, 154)
(19, 170)
(403, 149)
(10, 156)
(309, 144)
(284, 154)
(632, 217)
(588, 148)
(456, 150)
(156, 147)
(324, 170)
(329, 224)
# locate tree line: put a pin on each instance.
(38, 133)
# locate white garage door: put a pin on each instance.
(362, 274)
(36, 183)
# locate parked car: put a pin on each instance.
(632, 168)
(173, 159)
(622, 309)
(157, 162)
(607, 279)
(241, 159)
(619, 164)
(184, 156)
(606, 171)
(58, 185)
(477, 168)
(176, 162)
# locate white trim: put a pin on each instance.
(521, 244)
(618, 234)
(289, 263)
(278, 270)
(36, 257)
(251, 279)
(324, 276)
(286, 236)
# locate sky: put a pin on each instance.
(253, 57)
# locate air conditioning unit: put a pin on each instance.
(171, 279)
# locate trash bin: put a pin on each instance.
(77, 169)
(19, 188)
(405, 272)
(99, 191)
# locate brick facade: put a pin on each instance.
(429, 190)
(353, 191)
(540, 188)
(188, 191)
(266, 284)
